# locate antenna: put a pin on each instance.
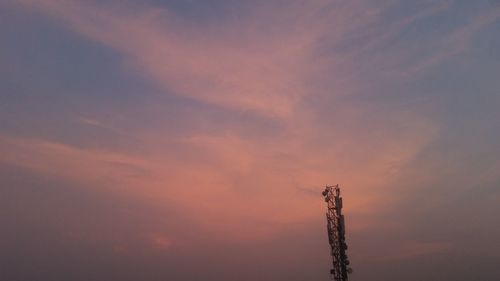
(336, 233)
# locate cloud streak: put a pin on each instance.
(265, 63)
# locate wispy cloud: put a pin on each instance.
(265, 62)
(245, 114)
(240, 66)
(456, 42)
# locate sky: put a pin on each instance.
(191, 139)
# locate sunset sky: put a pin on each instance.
(188, 140)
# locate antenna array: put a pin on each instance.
(336, 233)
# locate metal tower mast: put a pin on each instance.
(336, 233)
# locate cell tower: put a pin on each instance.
(336, 233)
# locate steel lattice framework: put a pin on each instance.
(336, 233)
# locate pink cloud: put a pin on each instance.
(265, 63)
(236, 67)
(225, 182)
(160, 241)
